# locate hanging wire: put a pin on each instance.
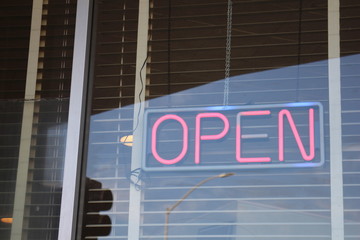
(139, 96)
(228, 53)
(137, 178)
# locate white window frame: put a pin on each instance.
(74, 139)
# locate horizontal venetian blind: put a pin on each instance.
(278, 55)
(350, 90)
(112, 73)
(188, 40)
(15, 20)
(14, 43)
(50, 120)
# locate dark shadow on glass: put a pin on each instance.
(97, 199)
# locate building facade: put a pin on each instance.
(179, 119)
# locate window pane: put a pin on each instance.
(247, 64)
(350, 89)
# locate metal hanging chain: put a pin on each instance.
(299, 50)
(228, 53)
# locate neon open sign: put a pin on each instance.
(234, 137)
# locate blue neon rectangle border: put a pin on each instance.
(235, 167)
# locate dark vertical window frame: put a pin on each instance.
(80, 230)
(111, 87)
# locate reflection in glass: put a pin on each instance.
(278, 55)
(170, 209)
(36, 179)
(254, 203)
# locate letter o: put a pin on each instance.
(154, 138)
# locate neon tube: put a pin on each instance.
(154, 139)
(199, 137)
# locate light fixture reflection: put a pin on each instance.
(6, 220)
(127, 140)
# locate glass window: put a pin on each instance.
(35, 86)
(111, 117)
(350, 89)
(210, 67)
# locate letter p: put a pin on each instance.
(199, 137)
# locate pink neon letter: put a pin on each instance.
(199, 137)
(286, 113)
(238, 137)
(185, 139)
